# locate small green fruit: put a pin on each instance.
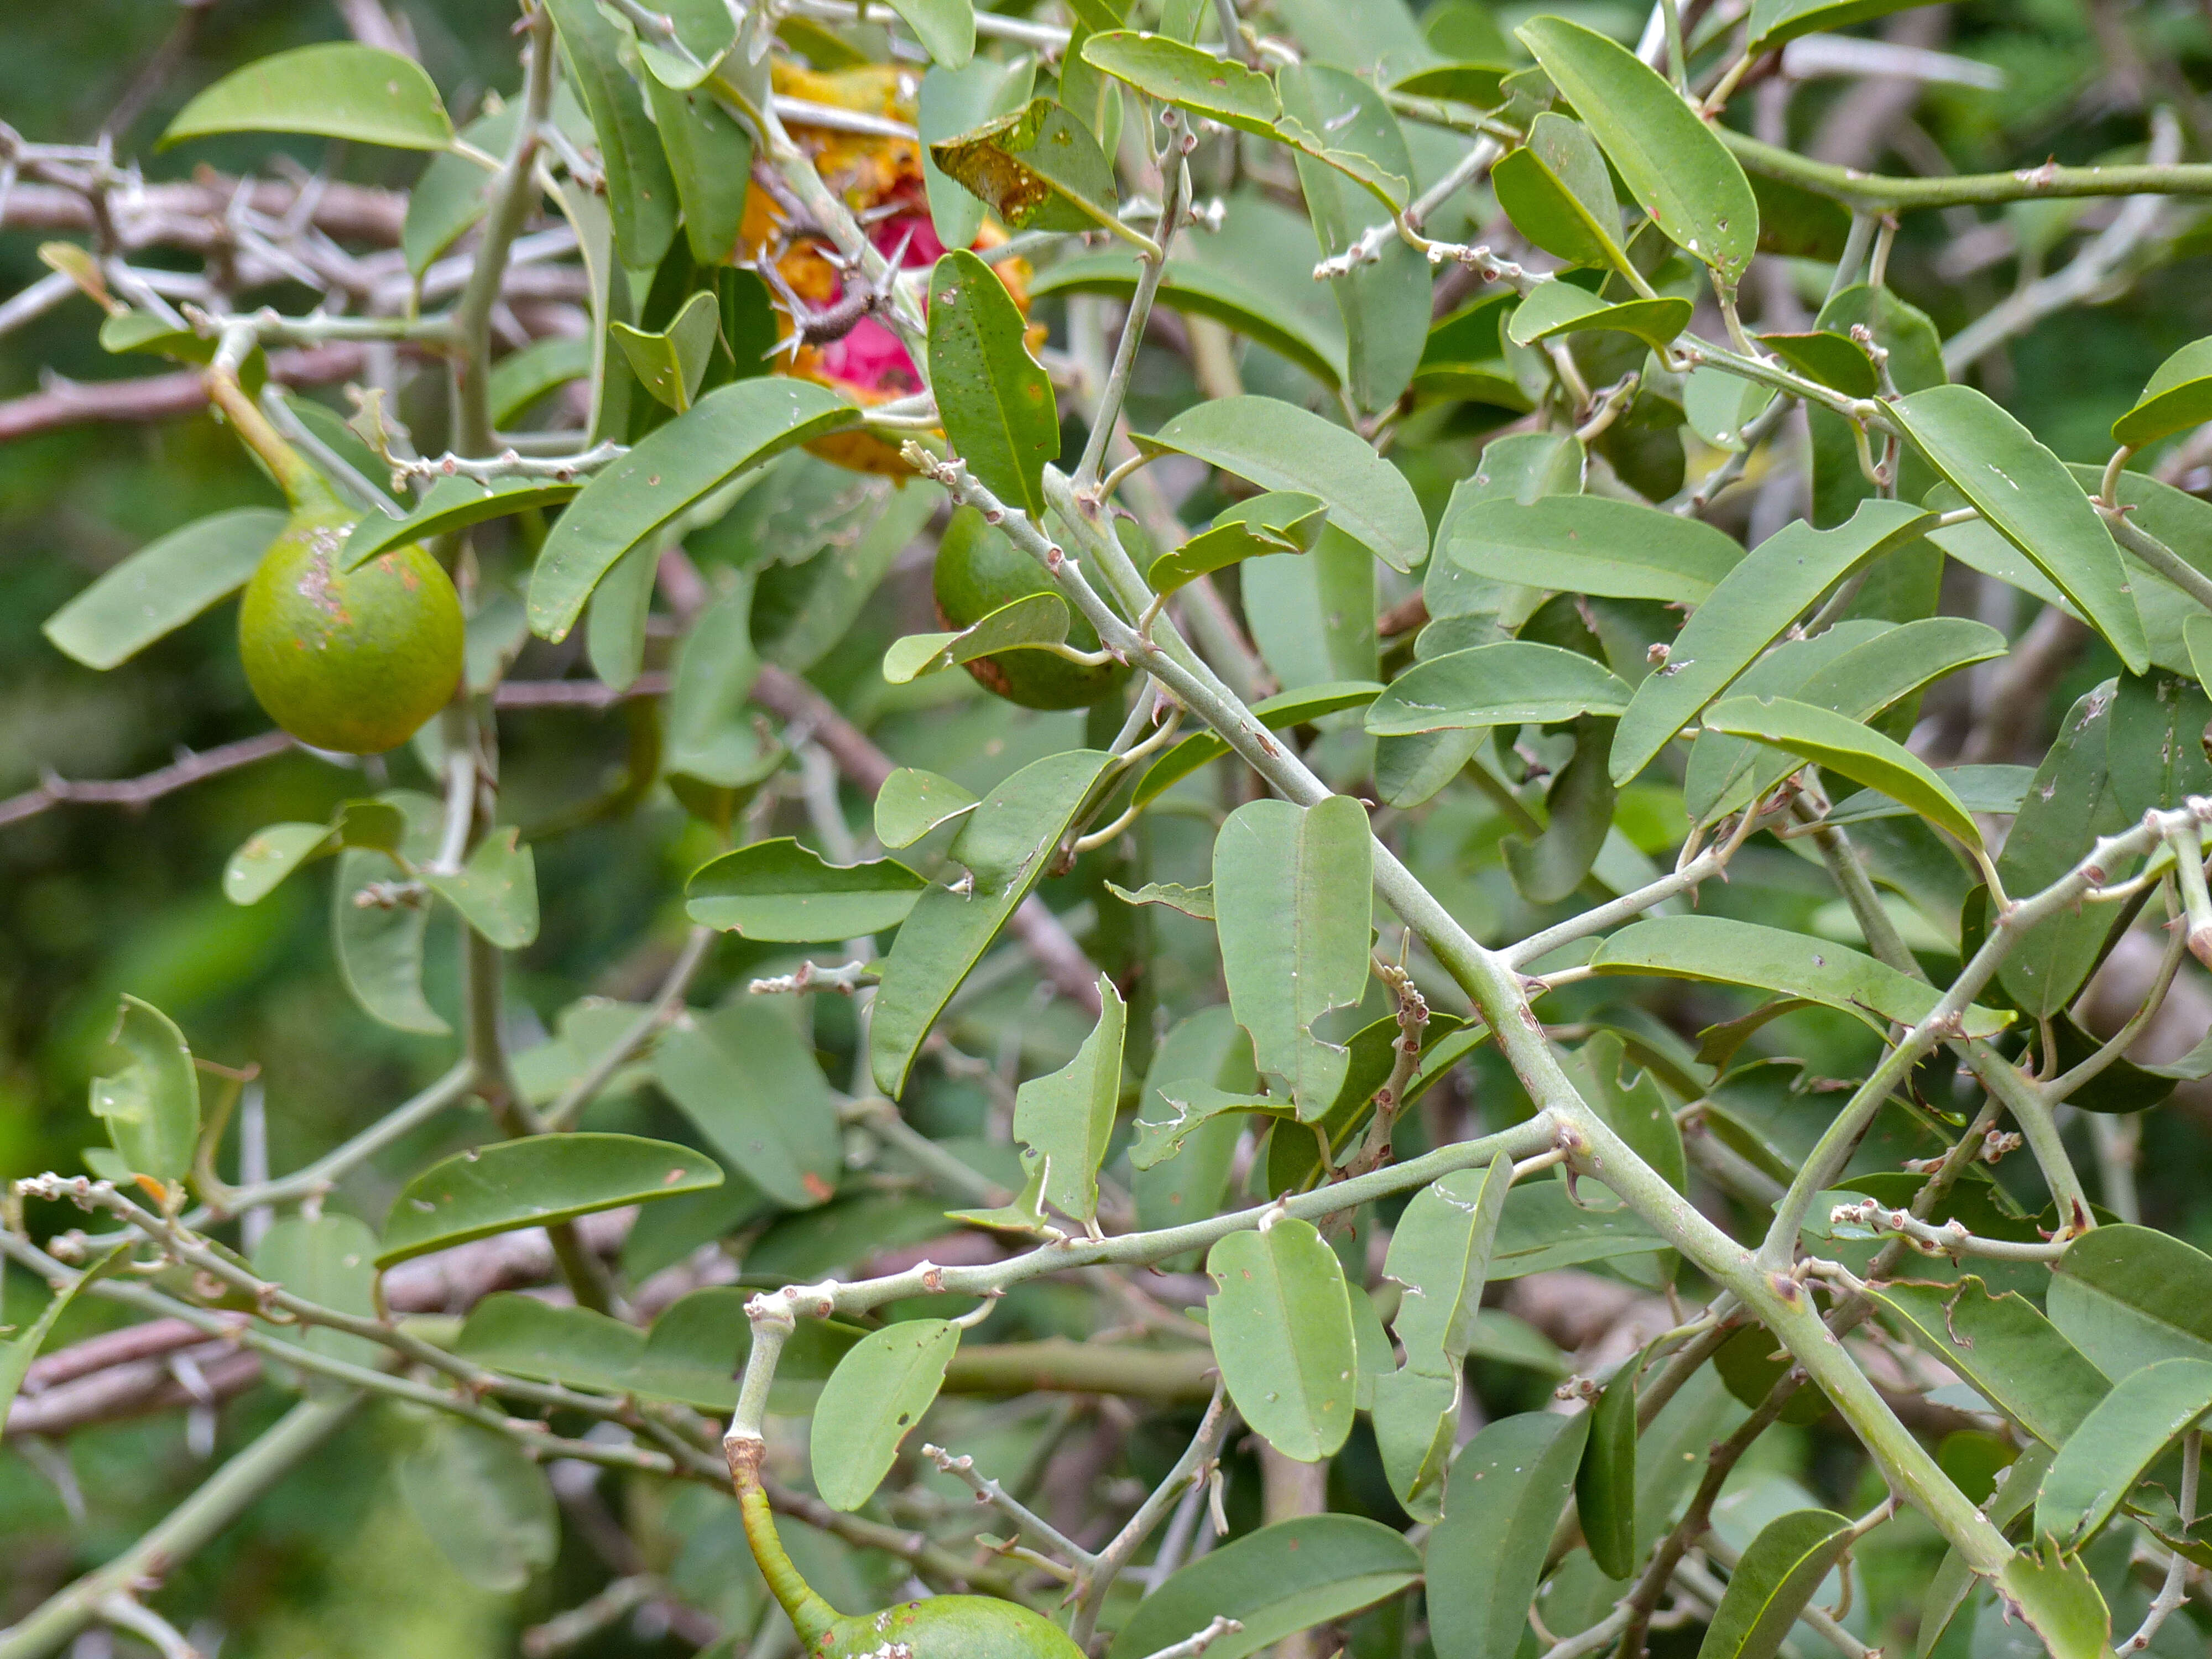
(354, 661)
(946, 1627)
(978, 571)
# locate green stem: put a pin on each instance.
(512, 194)
(302, 485)
(192, 1524)
(1152, 269)
(1877, 192)
(2158, 556)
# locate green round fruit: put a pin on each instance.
(947, 1627)
(354, 661)
(978, 571)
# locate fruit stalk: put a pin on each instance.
(302, 485)
(810, 1616)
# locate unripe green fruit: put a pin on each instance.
(946, 1627)
(356, 661)
(978, 571)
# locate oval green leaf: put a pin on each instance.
(1066, 1119)
(2014, 1357)
(872, 1402)
(338, 90)
(1728, 951)
(913, 802)
(1163, 68)
(1512, 682)
(995, 399)
(1558, 193)
(1593, 544)
(1507, 1491)
(1773, 1582)
(778, 890)
(1278, 445)
(1275, 1583)
(533, 1183)
(1605, 1481)
(2025, 493)
(1281, 1321)
(484, 1500)
(1673, 165)
(2116, 1445)
(1838, 743)
(729, 430)
(2178, 395)
(2129, 1297)
(1032, 620)
(754, 1090)
(163, 586)
(151, 1103)
(1751, 608)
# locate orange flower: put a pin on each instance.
(880, 180)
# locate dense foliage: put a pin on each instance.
(1125, 826)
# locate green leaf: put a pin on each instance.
(1416, 1419)
(1731, 952)
(1605, 1481)
(730, 429)
(1281, 1321)
(1639, 1113)
(1542, 1228)
(951, 101)
(1313, 618)
(1285, 709)
(453, 504)
(1509, 1486)
(268, 856)
(1440, 1253)
(482, 1499)
(1032, 620)
(152, 1101)
(777, 889)
(1279, 521)
(2068, 805)
(329, 1260)
(1954, 1581)
(1210, 1048)
(2129, 1297)
(1561, 308)
(1834, 359)
(1278, 445)
(1512, 682)
(947, 28)
(708, 738)
(1773, 1582)
(455, 190)
(2060, 1602)
(1676, 168)
(1064, 1121)
(521, 378)
(1595, 546)
(1777, 22)
(995, 399)
(753, 1088)
(913, 802)
(641, 195)
(1840, 744)
(1165, 69)
(2179, 395)
(496, 891)
(1275, 1583)
(1292, 905)
(163, 586)
(2025, 493)
(873, 1400)
(378, 934)
(336, 90)
(17, 1352)
(1385, 300)
(1005, 845)
(1558, 193)
(1037, 168)
(1854, 668)
(2154, 750)
(1753, 605)
(2010, 1353)
(671, 364)
(533, 1183)
(1194, 1105)
(2116, 1445)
